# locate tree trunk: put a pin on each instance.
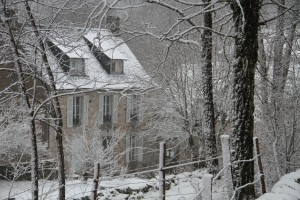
(245, 17)
(282, 57)
(278, 55)
(277, 89)
(207, 88)
(31, 122)
(56, 106)
(263, 74)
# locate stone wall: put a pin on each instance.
(121, 125)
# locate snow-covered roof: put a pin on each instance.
(77, 49)
(107, 43)
(96, 77)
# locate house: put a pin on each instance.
(102, 85)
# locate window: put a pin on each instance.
(107, 109)
(77, 110)
(106, 141)
(134, 148)
(116, 67)
(170, 153)
(134, 109)
(133, 151)
(77, 66)
(135, 101)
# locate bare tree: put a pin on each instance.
(33, 87)
(30, 105)
(190, 33)
(277, 90)
(56, 113)
(174, 108)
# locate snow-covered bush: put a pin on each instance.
(13, 132)
(93, 145)
(15, 139)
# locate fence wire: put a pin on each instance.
(147, 169)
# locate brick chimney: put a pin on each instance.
(113, 23)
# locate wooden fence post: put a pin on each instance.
(162, 175)
(260, 167)
(96, 180)
(227, 164)
(207, 187)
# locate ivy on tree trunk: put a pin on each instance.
(207, 88)
(245, 18)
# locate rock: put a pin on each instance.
(131, 191)
(127, 190)
(84, 198)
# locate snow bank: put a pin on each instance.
(287, 188)
(273, 196)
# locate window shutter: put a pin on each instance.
(140, 147)
(85, 114)
(115, 108)
(127, 147)
(70, 111)
(141, 109)
(101, 108)
(128, 109)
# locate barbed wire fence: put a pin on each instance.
(205, 193)
(207, 180)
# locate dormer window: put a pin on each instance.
(77, 66)
(116, 66)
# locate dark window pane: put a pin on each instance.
(106, 141)
(77, 66)
(116, 67)
(107, 109)
(135, 102)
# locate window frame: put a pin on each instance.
(135, 108)
(133, 148)
(170, 153)
(113, 68)
(107, 111)
(75, 68)
(77, 110)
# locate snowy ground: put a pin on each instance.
(182, 186)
